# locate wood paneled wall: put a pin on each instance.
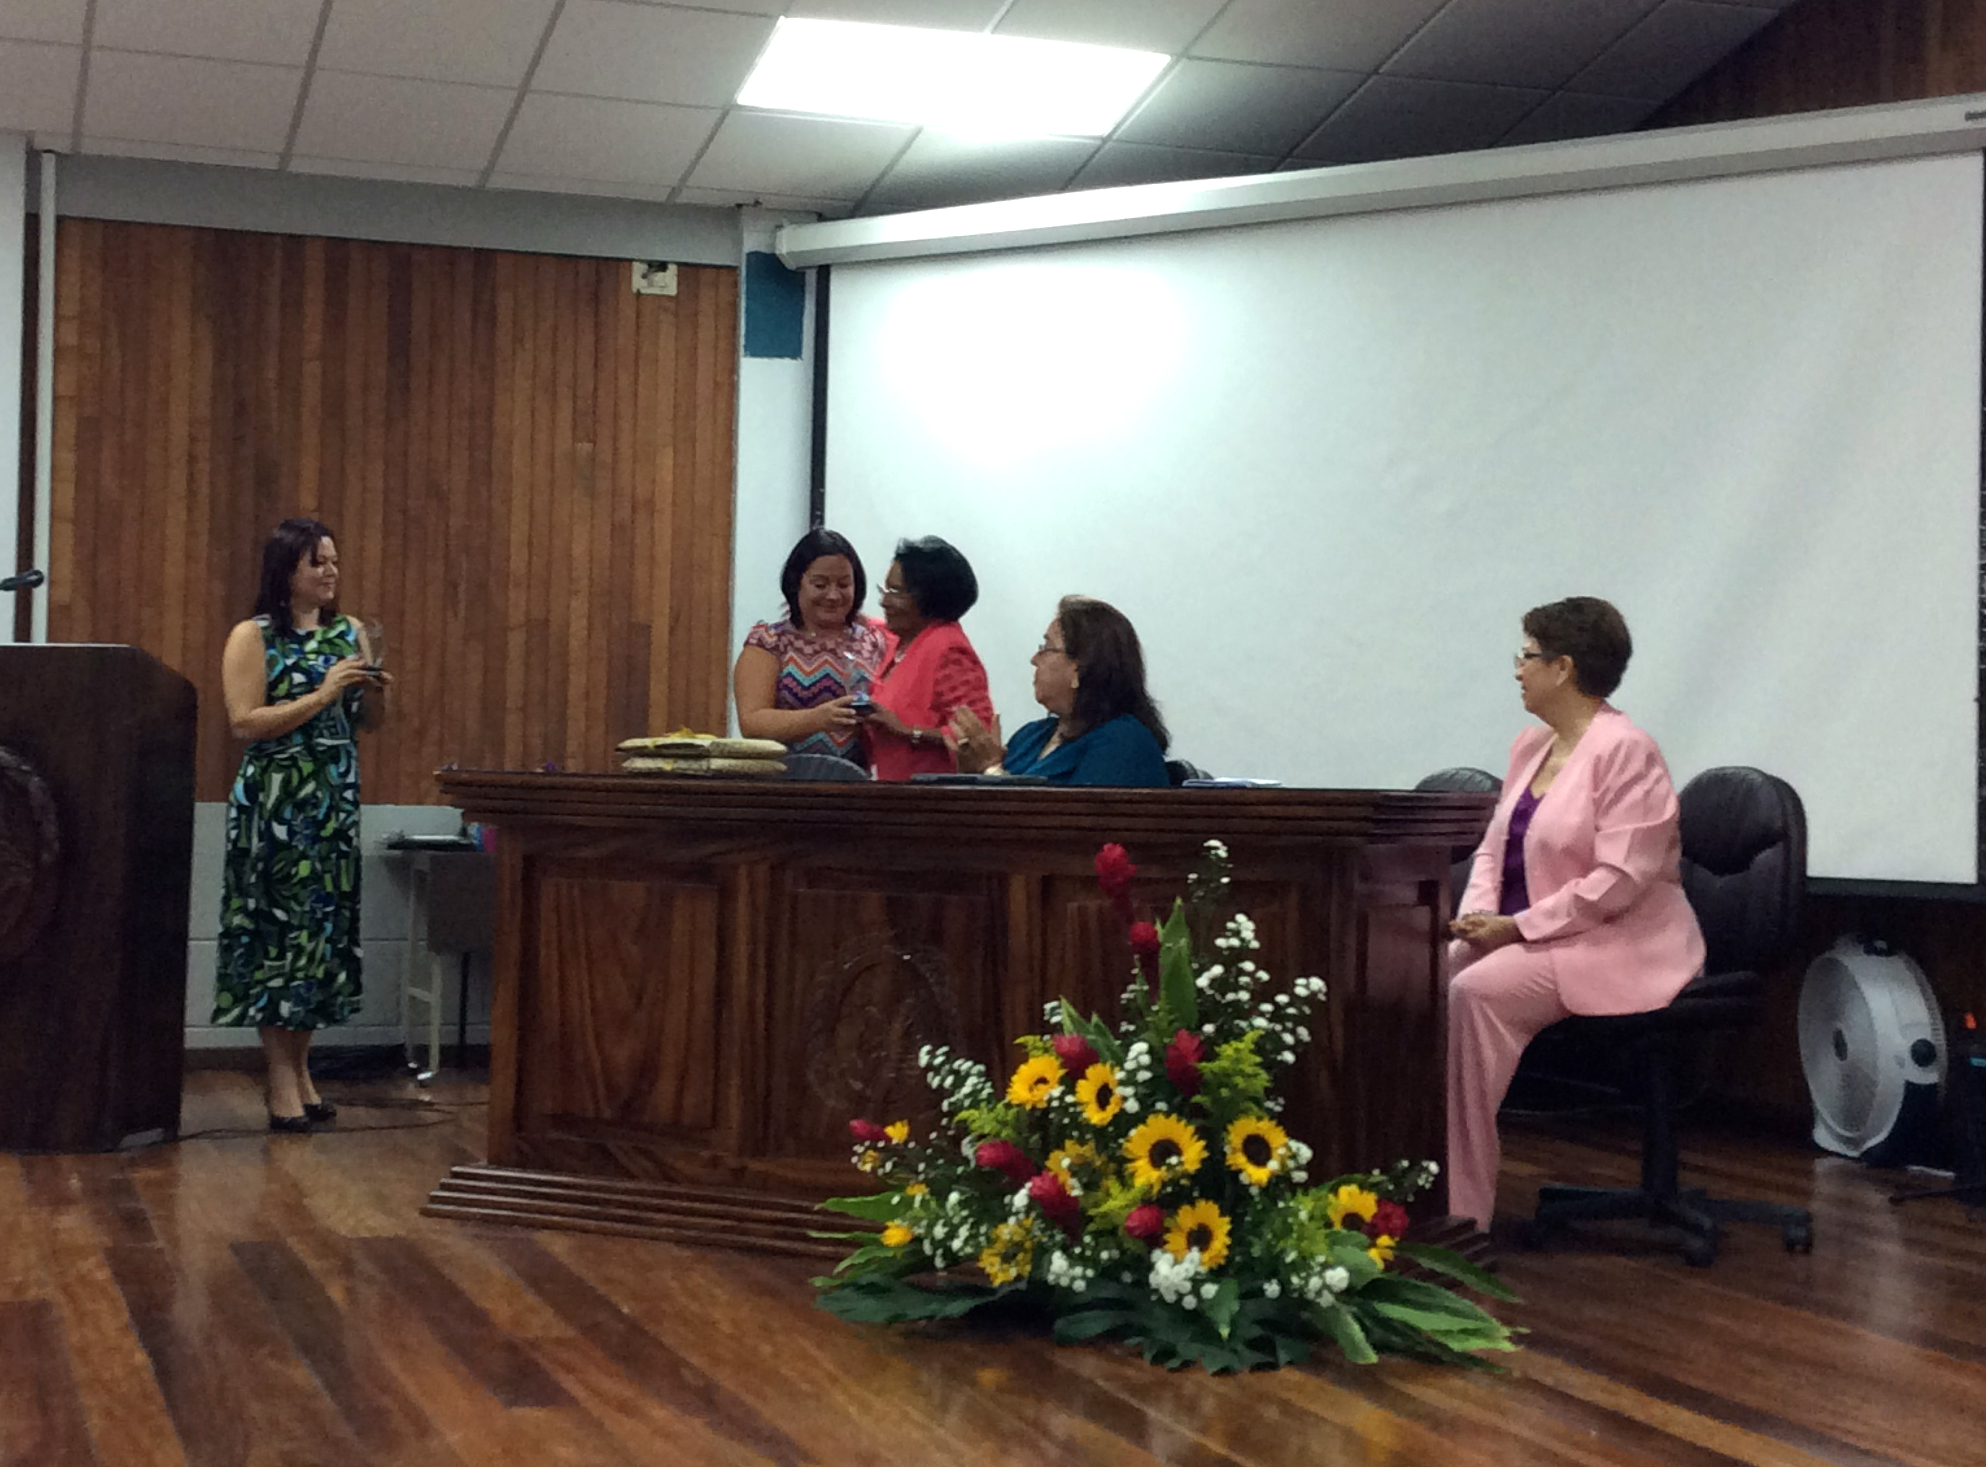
(1821, 54)
(528, 467)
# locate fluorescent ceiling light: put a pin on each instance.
(961, 81)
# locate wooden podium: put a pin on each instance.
(698, 983)
(96, 848)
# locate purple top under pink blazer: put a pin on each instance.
(1601, 860)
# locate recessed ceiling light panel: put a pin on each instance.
(963, 81)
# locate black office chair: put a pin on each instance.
(1460, 780)
(1181, 770)
(1744, 869)
(823, 767)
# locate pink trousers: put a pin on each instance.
(1496, 1006)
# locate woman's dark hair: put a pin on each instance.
(938, 578)
(1104, 646)
(816, 543)
(1589, 631)
(284, 552)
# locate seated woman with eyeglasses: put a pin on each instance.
(1102, 726)
(933, 672)
(1575, 904)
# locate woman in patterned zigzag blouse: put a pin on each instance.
(797, 678)
(294, 676)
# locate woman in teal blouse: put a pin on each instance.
(1102, 727)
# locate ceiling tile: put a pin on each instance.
(731, 198)
(742, 7)
(43, 20)
(814, 157)
(384, 119)
(38, 86)
(1399, 117)
(490, 42)
(278, 31)
(650, 53)
(188, 102)
(931, 15)
(180, 153)
(1237, 107)
(938, 169)
(1516, 43)
(392, 172)
(1140, 25)
(1121, 163)
(1670, 49)
(1340, 35)
(538, 183)
(610, 142)
(1566, 115)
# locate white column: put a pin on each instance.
(13, 231)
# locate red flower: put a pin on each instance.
(1146, 1223)
(1145, 947)
(1182, 1061)
(1114, 872)
(1004, 1156)
(1389, 1220)
(1055, 1202)
(1075, 1052)
(868, 1133)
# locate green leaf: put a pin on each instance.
(1088, 1324)
(1179, 1000)
(1420, 1294)
(871, 1207)
(1454, 1266)
(1095, 1031)
(1427, 1320)
(1336, 1322)
(890, 1301)
(1220, 1310)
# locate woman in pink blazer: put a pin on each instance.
(1575, 902)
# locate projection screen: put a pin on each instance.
(1325, 467)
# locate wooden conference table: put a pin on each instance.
(699, 982)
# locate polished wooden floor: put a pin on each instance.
(255, 1299)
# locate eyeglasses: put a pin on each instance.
(1050, 647)
(894, 591)
(1521, 658)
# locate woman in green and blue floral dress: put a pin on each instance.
(294, 676)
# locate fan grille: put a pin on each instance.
(1837, 1038)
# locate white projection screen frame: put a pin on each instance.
(1325, 466)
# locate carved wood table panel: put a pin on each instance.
(699, 982)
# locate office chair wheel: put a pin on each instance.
(1699, 1252)
(1798, 1237)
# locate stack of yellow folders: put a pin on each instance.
(684, 752)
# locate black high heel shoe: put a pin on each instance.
(293, 1125)
(320, 1111)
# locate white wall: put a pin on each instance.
(775, 445)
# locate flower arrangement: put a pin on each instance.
(1136, 1183)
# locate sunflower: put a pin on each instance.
(869, 1160)
(1256, 1148)
(1010, 1254)
(1381, 1250)
(1064, 1160)
(898, 1131)
(1351, 1201)
(1162, 1148)
(916, 1189)
(896, 1235)
(1199, 1225)
(1098, 1092)
(1035, 1081)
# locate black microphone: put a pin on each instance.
(26, 581)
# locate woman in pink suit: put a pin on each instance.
(1575, 903)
